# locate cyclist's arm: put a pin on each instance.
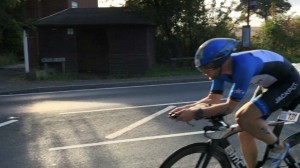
(215, 94)
(199, 111)
(212, 98)
(217, 109)
(239, 89)
(241, 81)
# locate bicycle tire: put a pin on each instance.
(292, 160)
(200, 149)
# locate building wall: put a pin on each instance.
(92, 49)
(62, 46)
(128, 50)
(33, 50)
(49, 7)
(151, 46)
(32, 8)
(125, 50)
(41, 8)
(37, 9)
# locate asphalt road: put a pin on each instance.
(120, 127)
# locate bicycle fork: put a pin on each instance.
(206, 156)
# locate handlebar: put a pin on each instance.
(218, 124)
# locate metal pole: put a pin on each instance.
(26, 57)
(248, 13)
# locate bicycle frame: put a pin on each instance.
(230, 151)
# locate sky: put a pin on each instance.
(254, 21)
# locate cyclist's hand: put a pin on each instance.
(173, 113)
(184, 115)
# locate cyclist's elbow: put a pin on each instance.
(230, 106)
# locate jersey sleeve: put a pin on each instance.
(217, 86)
(244, 71)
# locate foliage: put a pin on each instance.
(183, 25)
(264, 7)
(281, 34)
(12, 21)
(167, 71)
(7, 59)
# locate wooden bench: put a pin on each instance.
(61, 60)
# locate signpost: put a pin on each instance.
(246, 31)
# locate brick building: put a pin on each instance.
(42, 8)
(84, 38)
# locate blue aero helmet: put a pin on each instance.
(214, 52)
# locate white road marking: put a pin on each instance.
(138, 123)
(111, 88)
(125, 140)
(132, 107)
(7, 122)
(124, 108)
(128, 140)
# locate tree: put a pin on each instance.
(12, 21)
(183, 25)
(264, 7)
(280, 34)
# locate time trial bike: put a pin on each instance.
(218, 152)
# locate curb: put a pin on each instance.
(79, 85)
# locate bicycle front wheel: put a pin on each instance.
(293, 158)
(197, 155)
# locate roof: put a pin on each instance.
(94, 16)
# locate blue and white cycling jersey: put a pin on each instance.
(259, 67)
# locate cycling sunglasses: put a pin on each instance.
(211, 66)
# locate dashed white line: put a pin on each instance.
(125, 140)
(138, 123)
(7, 122)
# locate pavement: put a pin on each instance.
(10, 82)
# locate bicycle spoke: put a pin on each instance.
(200, 160)
(292, 160)
(207, 160)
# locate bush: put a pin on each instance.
(8, 59)
(281, 35)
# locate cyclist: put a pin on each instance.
(278, 84)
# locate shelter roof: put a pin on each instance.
(94, 16)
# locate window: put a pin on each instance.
(74, 4)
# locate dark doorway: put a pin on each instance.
(93, 51)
